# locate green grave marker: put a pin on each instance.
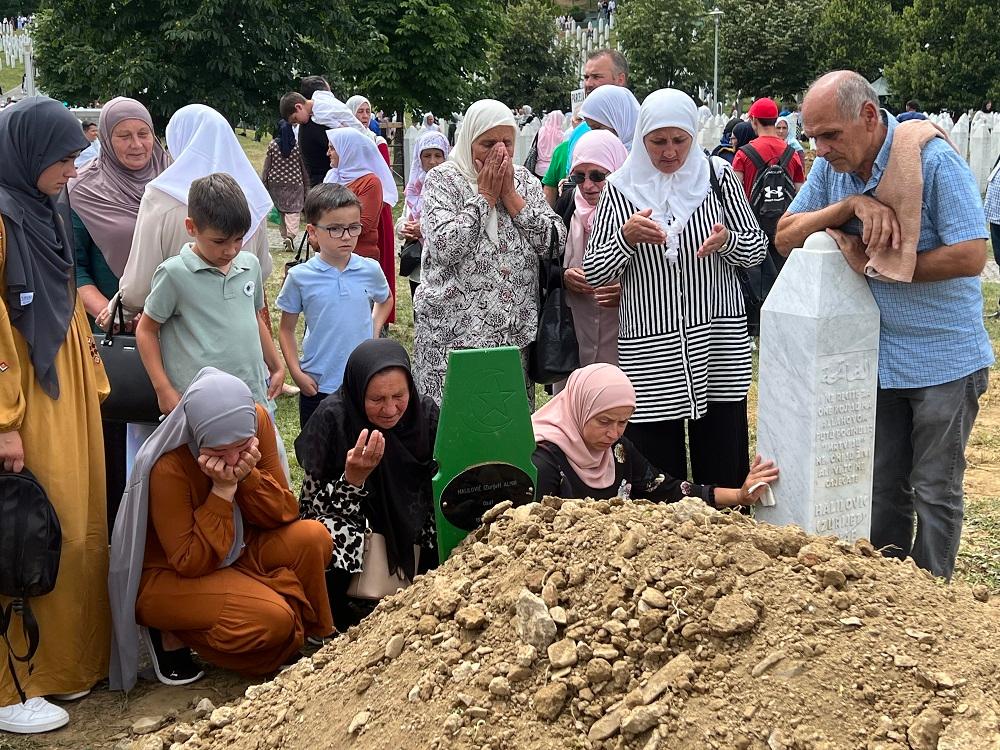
(484, 441)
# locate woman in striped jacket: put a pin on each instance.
(673, 225)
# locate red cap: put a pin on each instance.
(764, 109)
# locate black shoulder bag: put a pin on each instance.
(555, 353)
(132, 398)
(30, 546)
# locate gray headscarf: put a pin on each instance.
(36, 133)
(217, 409)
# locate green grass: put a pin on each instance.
(10, 78)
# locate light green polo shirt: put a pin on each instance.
(209, 319)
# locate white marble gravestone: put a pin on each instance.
(816, 398)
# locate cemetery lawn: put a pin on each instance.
(10, 78)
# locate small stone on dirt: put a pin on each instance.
(549, 700)
(359, 721)
(732, 616)
(926, 728)
(148, 724)
(562, 653)
(394, 646)
(204, 708)
(221, 717)
(471, 618)
(534, 625)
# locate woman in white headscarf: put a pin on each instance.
(613, 108)
(361, 108)
(786, 129)
(201, 142)
(208, 552)
(673, 225)
(431, 149)
(485, 221)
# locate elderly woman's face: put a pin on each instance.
(482, 146)
(132, 141)
(668, 148)
(334, 156)
(364, 113)
(386, 398)
(430, 158)
(782, 127)
(54, 178)
(590, 190)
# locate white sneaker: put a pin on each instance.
(67, 697)
(35, 715)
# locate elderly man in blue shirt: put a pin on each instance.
(934, 352)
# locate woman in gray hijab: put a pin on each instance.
(208, 552)
(51, 383)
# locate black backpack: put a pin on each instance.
(30, 545)
(773, 189)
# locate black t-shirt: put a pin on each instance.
(557, 477)
(313, 144)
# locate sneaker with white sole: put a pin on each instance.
(33, 716)
(171, 667)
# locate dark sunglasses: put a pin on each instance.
(595, 176)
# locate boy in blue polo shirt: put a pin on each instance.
(345, 297)
(204, 305)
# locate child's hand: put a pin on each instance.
(274, 384)
(761, 473)
(167, 399)
(306, 384)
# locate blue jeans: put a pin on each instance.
(920, 439)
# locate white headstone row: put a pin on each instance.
(976, 135)
(14, 46)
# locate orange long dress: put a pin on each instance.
(253, 615)
(64, 449)
(369, 191)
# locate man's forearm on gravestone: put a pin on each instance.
(794, 228)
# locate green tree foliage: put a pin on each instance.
(14, 8)
(767, 47)
(860, 35)
(668, 43)
(423, 55)
(530, 63)
(950, 57)
(237, 56)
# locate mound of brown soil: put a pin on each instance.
(582, 624)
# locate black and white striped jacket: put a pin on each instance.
(683, 336)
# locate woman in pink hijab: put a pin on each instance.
(550, 136)
(582, 452)
(597, 154)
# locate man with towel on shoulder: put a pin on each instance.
(905, 210)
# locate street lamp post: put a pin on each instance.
(716, 14)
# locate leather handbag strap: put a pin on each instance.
(30, 627)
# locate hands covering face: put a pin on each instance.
(496, 174)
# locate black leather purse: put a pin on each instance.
(554, 353)
(132, 398)
(409, 257)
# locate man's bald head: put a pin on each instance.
(848, 89)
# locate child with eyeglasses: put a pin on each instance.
(345, 297)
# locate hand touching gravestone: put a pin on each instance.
(484, 441)
(816, 405)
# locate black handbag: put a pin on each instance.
(555, 353)
(30, 548)
(132, 398)
(409, 257)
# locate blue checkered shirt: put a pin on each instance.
(993, 201)
(932, 332)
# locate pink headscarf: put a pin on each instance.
(550, 136)
(415, 185)
(605, 149)
(589, 391)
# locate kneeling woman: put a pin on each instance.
(208, 552)
(581, 450)
(367, 456)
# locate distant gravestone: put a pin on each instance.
(484, 441)
(816, 403)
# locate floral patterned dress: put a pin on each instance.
(476, 293)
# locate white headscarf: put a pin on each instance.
(201, 142)
(415, 185)
(673, 197)
(480, 117)
(216, 409)
(354, 104)
(615, 107)
(790, 139)
(359, 156)
(424, 125)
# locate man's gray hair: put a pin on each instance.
(853, 92)
(617, 60)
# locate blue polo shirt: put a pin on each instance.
(338, 312)
(932, 332)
